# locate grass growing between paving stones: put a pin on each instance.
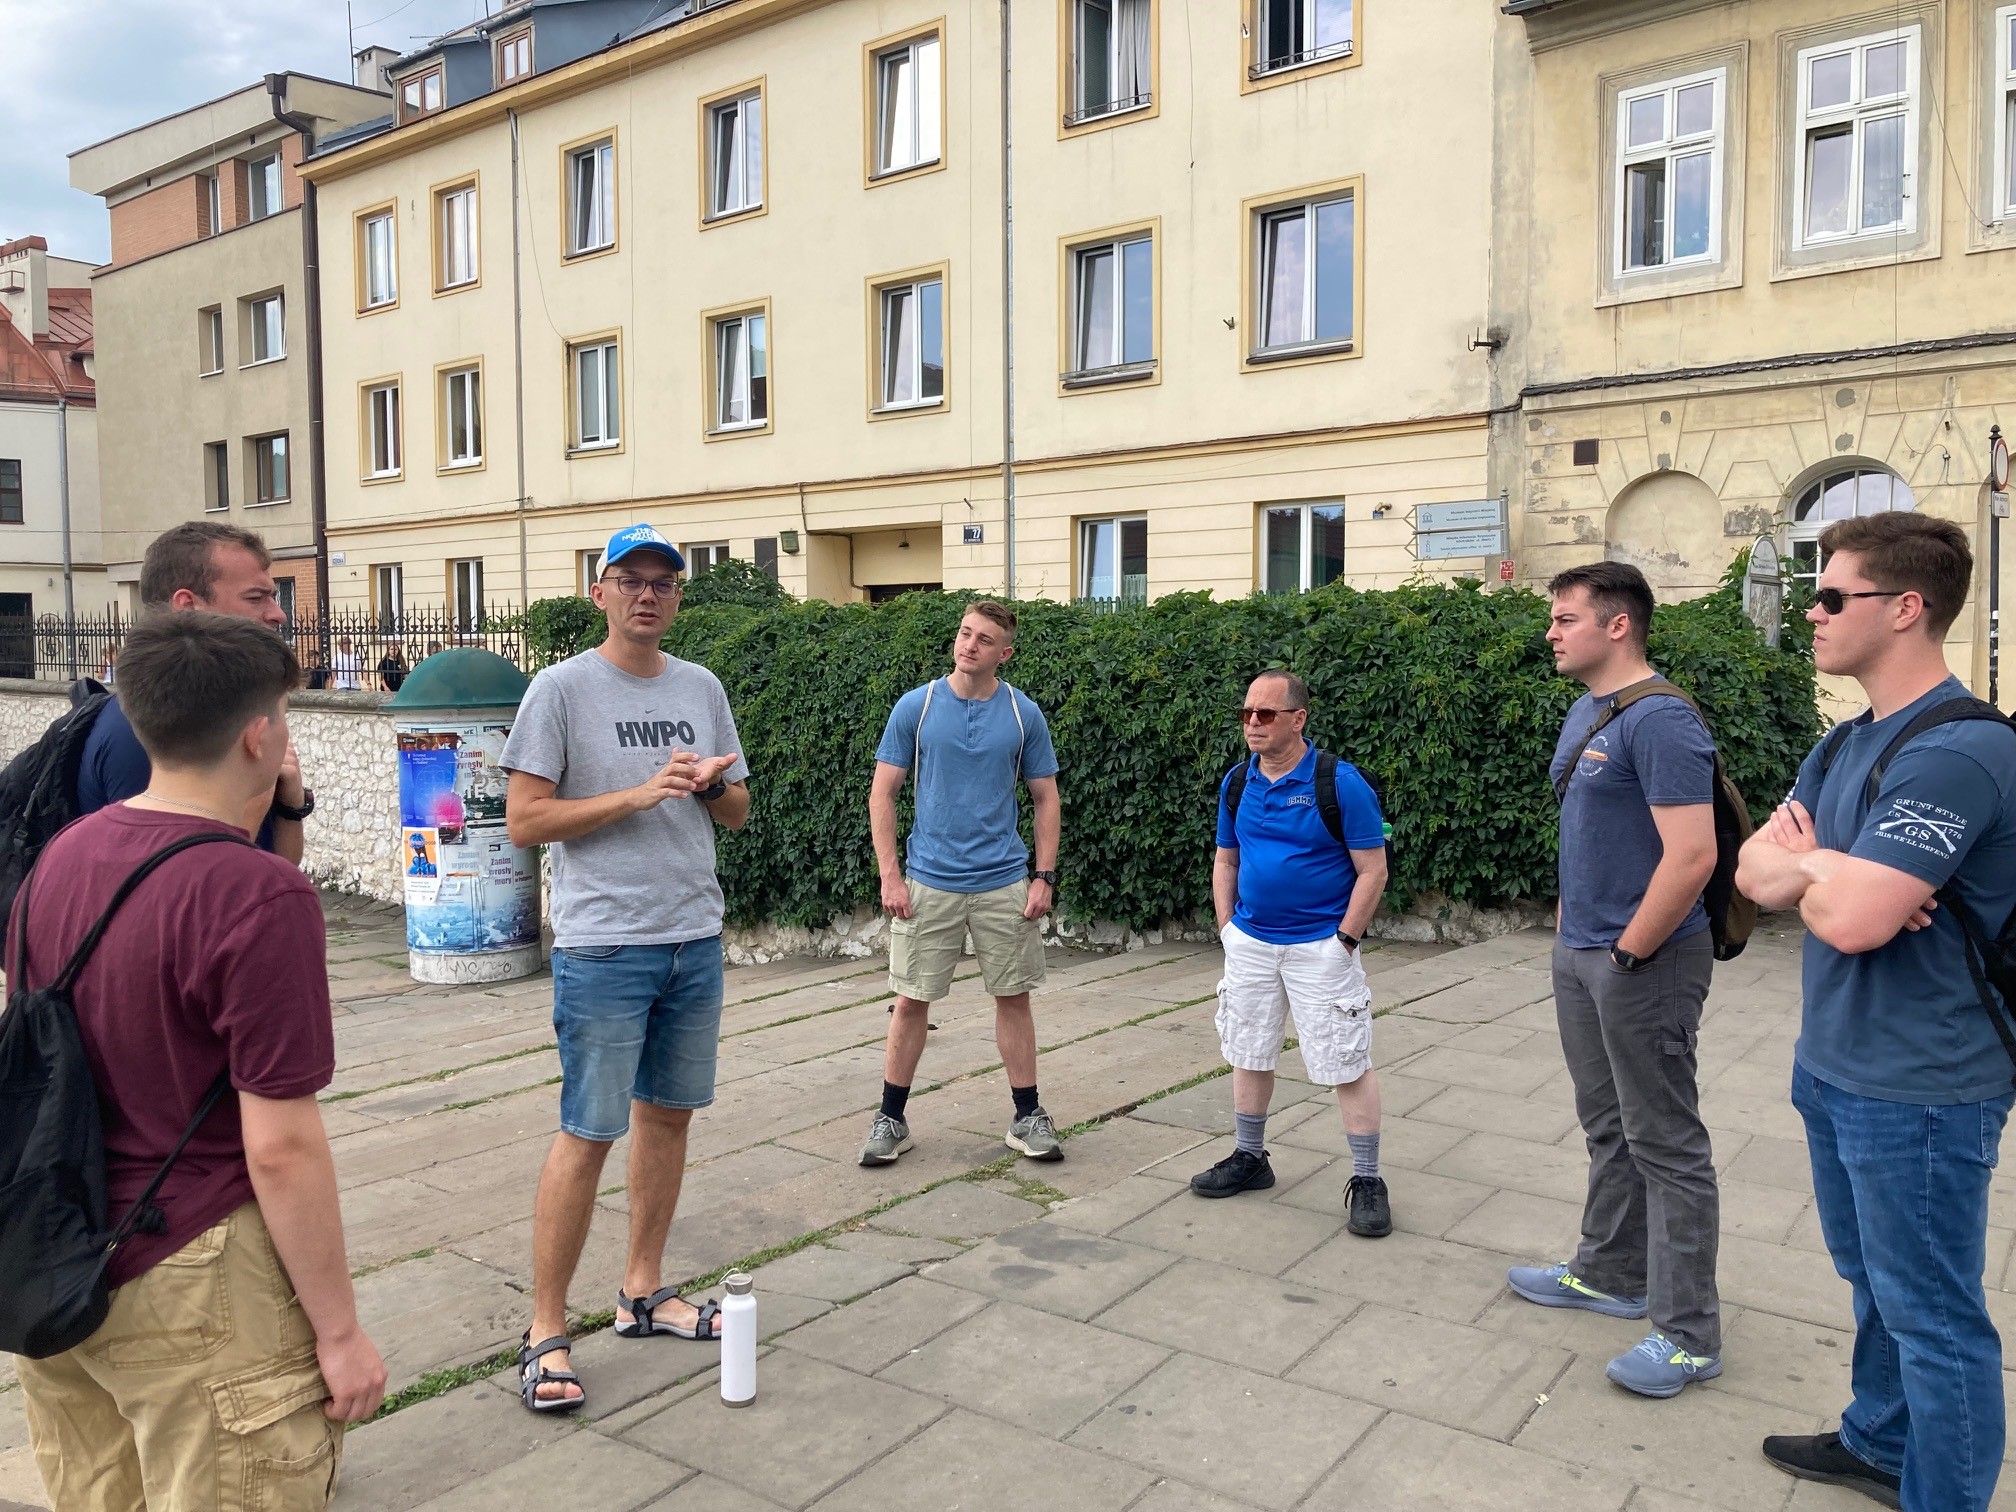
(371, 1270)
(477, 1102)
(435, 1076)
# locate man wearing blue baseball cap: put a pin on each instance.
(622, 761)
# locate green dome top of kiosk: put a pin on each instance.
(462, 677)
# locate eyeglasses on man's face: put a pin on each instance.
(631, 586)
(1263, 716)
(1833, 600)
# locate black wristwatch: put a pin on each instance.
(1624, 960)
(1348, 941)
(712, 791)
(1044, 876)
(282, 811)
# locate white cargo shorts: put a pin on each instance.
(1320, 982)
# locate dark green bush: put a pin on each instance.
(1445, 693)
(732, 581)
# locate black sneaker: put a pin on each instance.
(1241, 1171)
(1823, 1457)
(1371, 1213)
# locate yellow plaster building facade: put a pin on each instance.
(742, 273)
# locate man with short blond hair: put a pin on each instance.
(967, 739)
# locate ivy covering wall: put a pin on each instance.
(1445, 693)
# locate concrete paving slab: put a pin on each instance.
(1518, 1165)
(1778, 1279)
(1468, 1378)
(438, 1309)
(1518, 1223)
(1174, 1496)
(958, 1211)
(811, 1426)
(1485, 1072)
(1769, 1161)
(978, 1465)
(1118, 1205)
(1422, 1204)
(624, 1478)
(901, 1248)
(1045, 1266)
(429, 1449)
(1787, 1363)
(707, 1493)
(1207, 1107)
(1497, 1113)
(1592, 1336)
(1405, 1462)
(1234, 1431)
(1042, 1373)
(832, 1275)
(1253, 1235)
(1098, 1158)
(1756, 1211)
(884, 1327)
(1429, 1276)
(1291, 1163)
(1230, 1315)
(1400, 1093)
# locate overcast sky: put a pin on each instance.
(73, 72)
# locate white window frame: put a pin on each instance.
(388, 594)
(379, 236)
(1264, 67)
(1857, 114)
(1120, 60)
(1082, 257)
(917, 139)
(213, 341)
(456, 225)
(1307, 511)
(739, 337)
(2003, 40)
(514, 57)
(381, 431)
(591, 197)
(1808, 530)
(261, 175)
(465, 594)
(606, 429)
(1263, 283)
(1087, 531)
(462, 400)
(273, 334)
(1669, 150)
(745, 166)
(887, 351)
(700, 555)
(278, 449)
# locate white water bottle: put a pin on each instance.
(738, 1341)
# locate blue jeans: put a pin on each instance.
(1902, 1190)
(635, 1023)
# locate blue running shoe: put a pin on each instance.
(1659, 1368)
(1557, 1286)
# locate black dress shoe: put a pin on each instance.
(1241, 1171)
(1822, 1457)
(1371, 1212)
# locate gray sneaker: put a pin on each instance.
(1036, 1137)
(889, 1138)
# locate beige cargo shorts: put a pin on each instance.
(924, 949)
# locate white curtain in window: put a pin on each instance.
(899, 346)
(1130, 53)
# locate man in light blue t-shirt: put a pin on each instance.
(968, 739)
(1900, 1072)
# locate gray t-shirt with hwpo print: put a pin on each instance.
(591, 728)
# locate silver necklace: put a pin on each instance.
(196, 808)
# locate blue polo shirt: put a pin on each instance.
(966, 836)
(1295, 881)
(1904, 1022)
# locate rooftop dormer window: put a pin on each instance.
(420, 95)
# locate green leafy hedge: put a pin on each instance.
(1445, 693)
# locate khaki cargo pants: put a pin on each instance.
(198, 1393)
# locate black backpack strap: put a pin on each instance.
(1326, 795)
(1976, 945)
(1830, 748)
(1235, 789)
(1952, 711)
(143, 1217)
(67, 978)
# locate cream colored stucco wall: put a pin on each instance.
(1198, 450)
(159, 411)
(31, 553)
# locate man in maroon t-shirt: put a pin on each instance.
(232, 1355)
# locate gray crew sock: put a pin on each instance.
(1252, 1132)
(1364, 1154)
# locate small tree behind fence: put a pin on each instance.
(385, 646)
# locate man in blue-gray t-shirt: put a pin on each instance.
(1900, 1073)
(968, 739)
(1635, 775)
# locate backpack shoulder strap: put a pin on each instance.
(82, 955)
(1830, 748)
(917, 740)
(1235, 789)
(1618, 702)
(1326, 795)
(1952, 711)
(1021, 729)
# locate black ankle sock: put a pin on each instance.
(1025, 1101)
(893, 1099)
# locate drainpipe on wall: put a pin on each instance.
(1007, 299)
(311, 293)
(63, 505)
(518, 365)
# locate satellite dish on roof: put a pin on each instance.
(1764, 590)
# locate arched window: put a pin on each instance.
(1837, 496)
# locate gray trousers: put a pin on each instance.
(1652, 1219)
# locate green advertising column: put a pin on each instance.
(472, 897)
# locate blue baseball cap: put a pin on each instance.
(633, 538)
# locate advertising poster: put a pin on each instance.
(468, 888)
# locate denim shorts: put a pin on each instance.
(635, 1022)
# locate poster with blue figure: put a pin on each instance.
(468, 888)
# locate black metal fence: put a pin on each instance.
(340, 649)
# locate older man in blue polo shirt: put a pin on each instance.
(1293, 900)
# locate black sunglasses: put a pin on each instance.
(1833, 600)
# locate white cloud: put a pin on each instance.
(74, 72)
